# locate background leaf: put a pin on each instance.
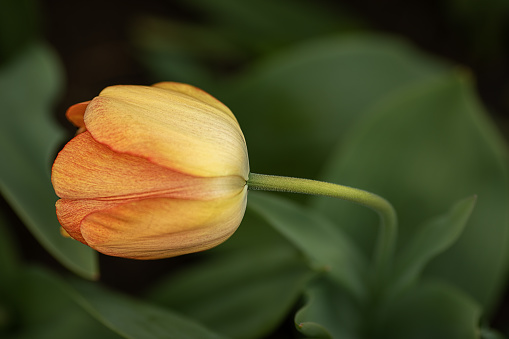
(43, 310)
(321, 241)
(430, 240)
(28, 140)
(302, 101)
(133, 318)
(432, 310)
(487, 333)
(243, 289)
(329, 312)
(424, 148)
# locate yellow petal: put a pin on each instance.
(173, 125)
(64, 233)
(86, 169)
(196, 93)
(162, 227)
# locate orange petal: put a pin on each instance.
(86, 169)
(176, 126)
(70, 213)
(161, 228)
(76, 112)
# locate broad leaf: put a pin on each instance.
(320, 240)
(133, 318)
(432, 310)
(488, 333)
(432, 239)
(329, 312)
(28, 142)
(424, 148)
(44, 310)
(296, 105)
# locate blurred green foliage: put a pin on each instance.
(233, 33)
(28, 139)
(318, 95)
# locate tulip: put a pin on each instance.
(155, 172)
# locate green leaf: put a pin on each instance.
(432, 310)
(422, 149)
(133, 318)
(488, 333)
(295, 106)
(319, 239)
(329, 312)
(243, 289)
(28, 140)
(432, 239)
(53, 308)
(44, 310)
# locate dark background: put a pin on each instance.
(93, 38)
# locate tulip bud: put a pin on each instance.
(156, 172)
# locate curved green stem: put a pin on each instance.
(388, 220)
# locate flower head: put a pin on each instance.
(157, 171)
